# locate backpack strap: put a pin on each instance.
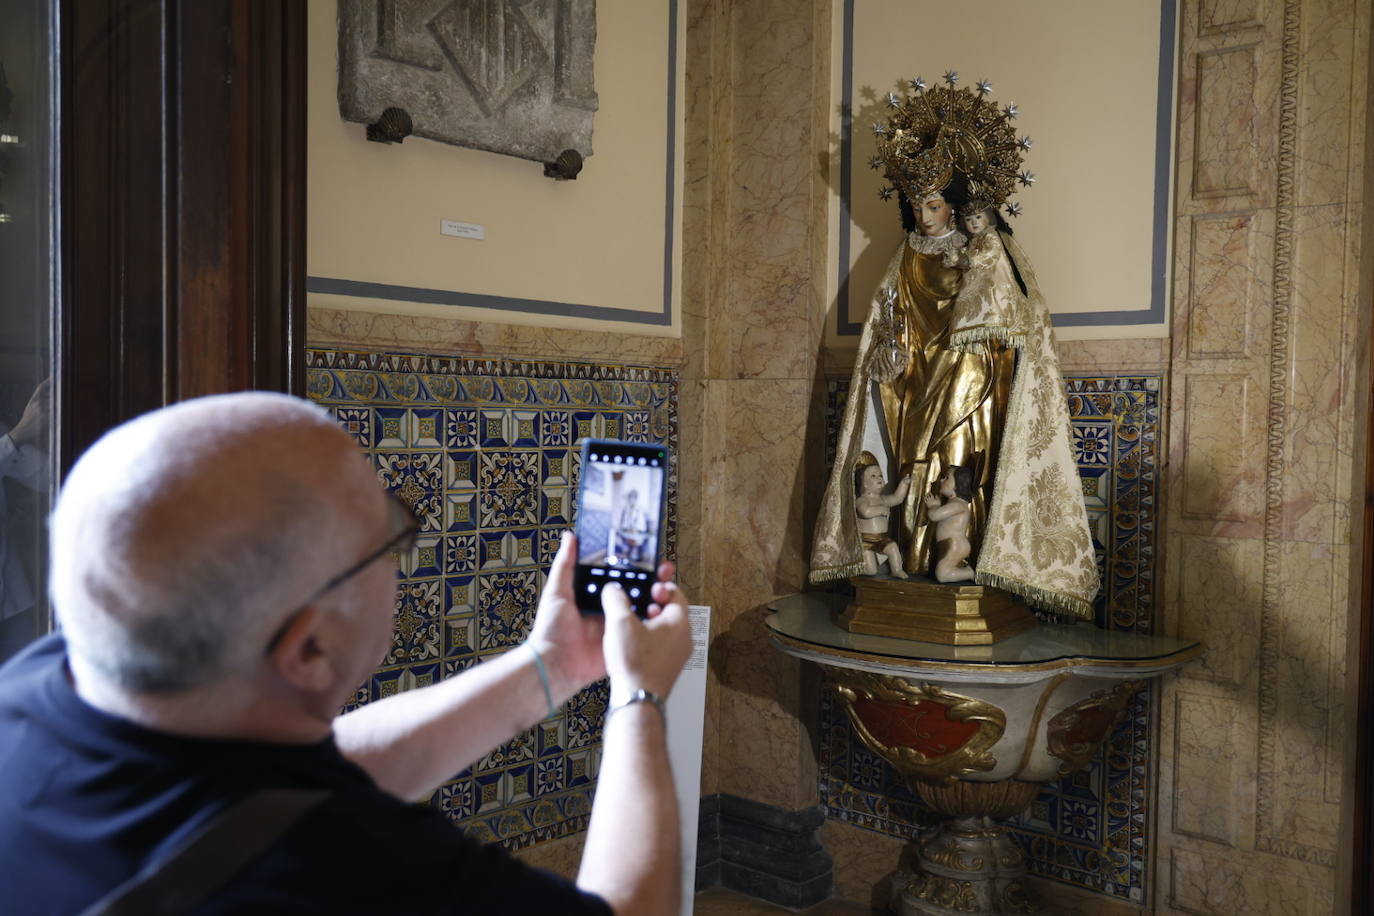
(207, 859)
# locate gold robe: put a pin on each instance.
(947, 408)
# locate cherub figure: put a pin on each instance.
(951, 518)
(991, 304)
(874, 509)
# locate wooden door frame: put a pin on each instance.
(182, 205)
(1359, 865)
(1361, 870)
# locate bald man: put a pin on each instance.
(222, 570)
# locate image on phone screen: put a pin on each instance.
(619, 520)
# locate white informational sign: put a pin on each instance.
(462, 230)
(686, 709)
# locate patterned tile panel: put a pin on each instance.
(486, 453)
(1089, 829)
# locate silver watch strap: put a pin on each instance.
(640, 695)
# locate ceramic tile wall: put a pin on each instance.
(485, 453)
(1090, 829)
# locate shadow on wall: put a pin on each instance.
(870, 218)
(742, 656)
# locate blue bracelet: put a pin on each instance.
(544, 680)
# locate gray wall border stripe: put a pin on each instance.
(1164, 111)
(846, 327)
(361, 289)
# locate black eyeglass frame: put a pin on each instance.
(403, 540)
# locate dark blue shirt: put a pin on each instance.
(86, 799)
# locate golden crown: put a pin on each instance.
(936, 131)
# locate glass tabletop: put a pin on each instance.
(812, 618)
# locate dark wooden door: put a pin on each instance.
(182, 215)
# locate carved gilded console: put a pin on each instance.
(976, 730)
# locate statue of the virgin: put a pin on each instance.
(956, 368)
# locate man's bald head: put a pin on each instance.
(182, 539)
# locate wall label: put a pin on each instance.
(462, 230)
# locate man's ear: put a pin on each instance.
(301, 656)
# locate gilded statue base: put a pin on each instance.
(969, 865)
(922, 609)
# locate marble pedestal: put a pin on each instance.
(976, 730)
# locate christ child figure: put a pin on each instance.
(949, 512)
(991, 304)
(874, 510)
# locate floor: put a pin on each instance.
(729, 903)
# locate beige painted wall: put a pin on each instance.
(1085, 76)
(375, 209)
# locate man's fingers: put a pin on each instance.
(666, 570)
(662, 592)
(615, 603)
(673, 604)
(561, 570)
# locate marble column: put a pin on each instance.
(754, 277)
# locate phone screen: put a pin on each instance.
(619, 520)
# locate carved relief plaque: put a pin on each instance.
(509, 76)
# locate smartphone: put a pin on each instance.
(620, 501)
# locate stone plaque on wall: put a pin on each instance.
(509, 76)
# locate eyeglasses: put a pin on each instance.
(402, 541)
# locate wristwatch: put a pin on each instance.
(640, 695)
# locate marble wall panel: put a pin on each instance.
(1296, 739)
(1218, 602)
(713, 401)
(1225, 162)
(691, 402)
(1316, 501)
(774, 313)
(862, 860)
(1223, 287)
(758, 544)
(1324, 116)
(1214, 884)
(1062, 900)
(1221, 16)
(1206, 767)
(1339, 686)
(1224, 118)
(1223, 469)
(705, 216)
(752, 322)
(1308, 121)
(562, 857)
(703, 189)
(412, 334)
(1148, 356)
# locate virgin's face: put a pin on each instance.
(933, 215)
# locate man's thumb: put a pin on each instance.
(614, 602)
